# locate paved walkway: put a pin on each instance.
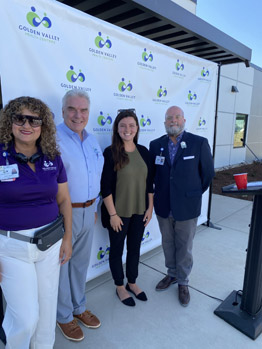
(219, 261)
(162, 323)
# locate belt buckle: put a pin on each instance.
(8, 233)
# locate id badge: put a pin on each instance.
(160, 160)
(9, 172)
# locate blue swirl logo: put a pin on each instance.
(161, 92)
(191, 96)
(72, 76)
(102, 253)
(34, 20)
(145, 236)
(202, 122)
(100, 42)
(122, 86)
(144, 121)
(204, 72)
(147, 57)
(102, 120)
(179, 66)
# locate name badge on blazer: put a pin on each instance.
(160, 160)
(188, 157)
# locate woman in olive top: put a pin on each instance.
(127, 191)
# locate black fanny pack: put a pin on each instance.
(49, 235)
(43, 238)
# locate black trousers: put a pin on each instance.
(132, 230)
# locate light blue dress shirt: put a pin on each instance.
(83, 161)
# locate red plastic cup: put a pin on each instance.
(241, 180)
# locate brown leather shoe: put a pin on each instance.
(71, 331)
(183, 295)
(88, 319)
(165, 283)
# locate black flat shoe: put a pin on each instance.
(141, 296)
(128, 301)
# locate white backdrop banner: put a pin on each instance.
(49, 48)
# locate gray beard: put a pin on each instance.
(174, 130)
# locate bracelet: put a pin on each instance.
(111, 215)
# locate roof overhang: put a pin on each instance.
(168, 23)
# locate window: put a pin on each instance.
(240, 130)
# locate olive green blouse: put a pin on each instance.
(131, 186)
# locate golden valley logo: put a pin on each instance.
(146, 238)
(38, 22)
(100, 42)
(161, 94)
(191, 96)
(103, 47)
(204, 72)
(124, 86)
(147, 58)
(179, 66)
(192, 99)
(104, 122)
(202, 124)
(74, 78)
(102, 256)
(179, 69)
(145, 124)
(33, 19)
(103, 252)
(204, 75)
(145, 121)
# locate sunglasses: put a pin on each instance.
(132, 110)
(24, 159)
(20, 120)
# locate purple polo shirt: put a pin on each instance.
(30, 200)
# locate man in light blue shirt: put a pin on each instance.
(83, 161)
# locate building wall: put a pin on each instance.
(246, 101)
(254, 137)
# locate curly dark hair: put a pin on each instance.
(47, 139)
(119, 154)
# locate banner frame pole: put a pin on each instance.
(209, 223)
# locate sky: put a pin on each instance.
(240, 19)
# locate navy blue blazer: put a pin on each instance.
(179, 187)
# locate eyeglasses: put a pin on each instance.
(20, 120)
(131, 110)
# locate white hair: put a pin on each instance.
(75, 93)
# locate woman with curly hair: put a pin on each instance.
(127, 191)
(33, 198)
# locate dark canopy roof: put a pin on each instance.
(170, 24)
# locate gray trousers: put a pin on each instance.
(71, 292)
(177, 243)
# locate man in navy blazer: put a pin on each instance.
(183, 171)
